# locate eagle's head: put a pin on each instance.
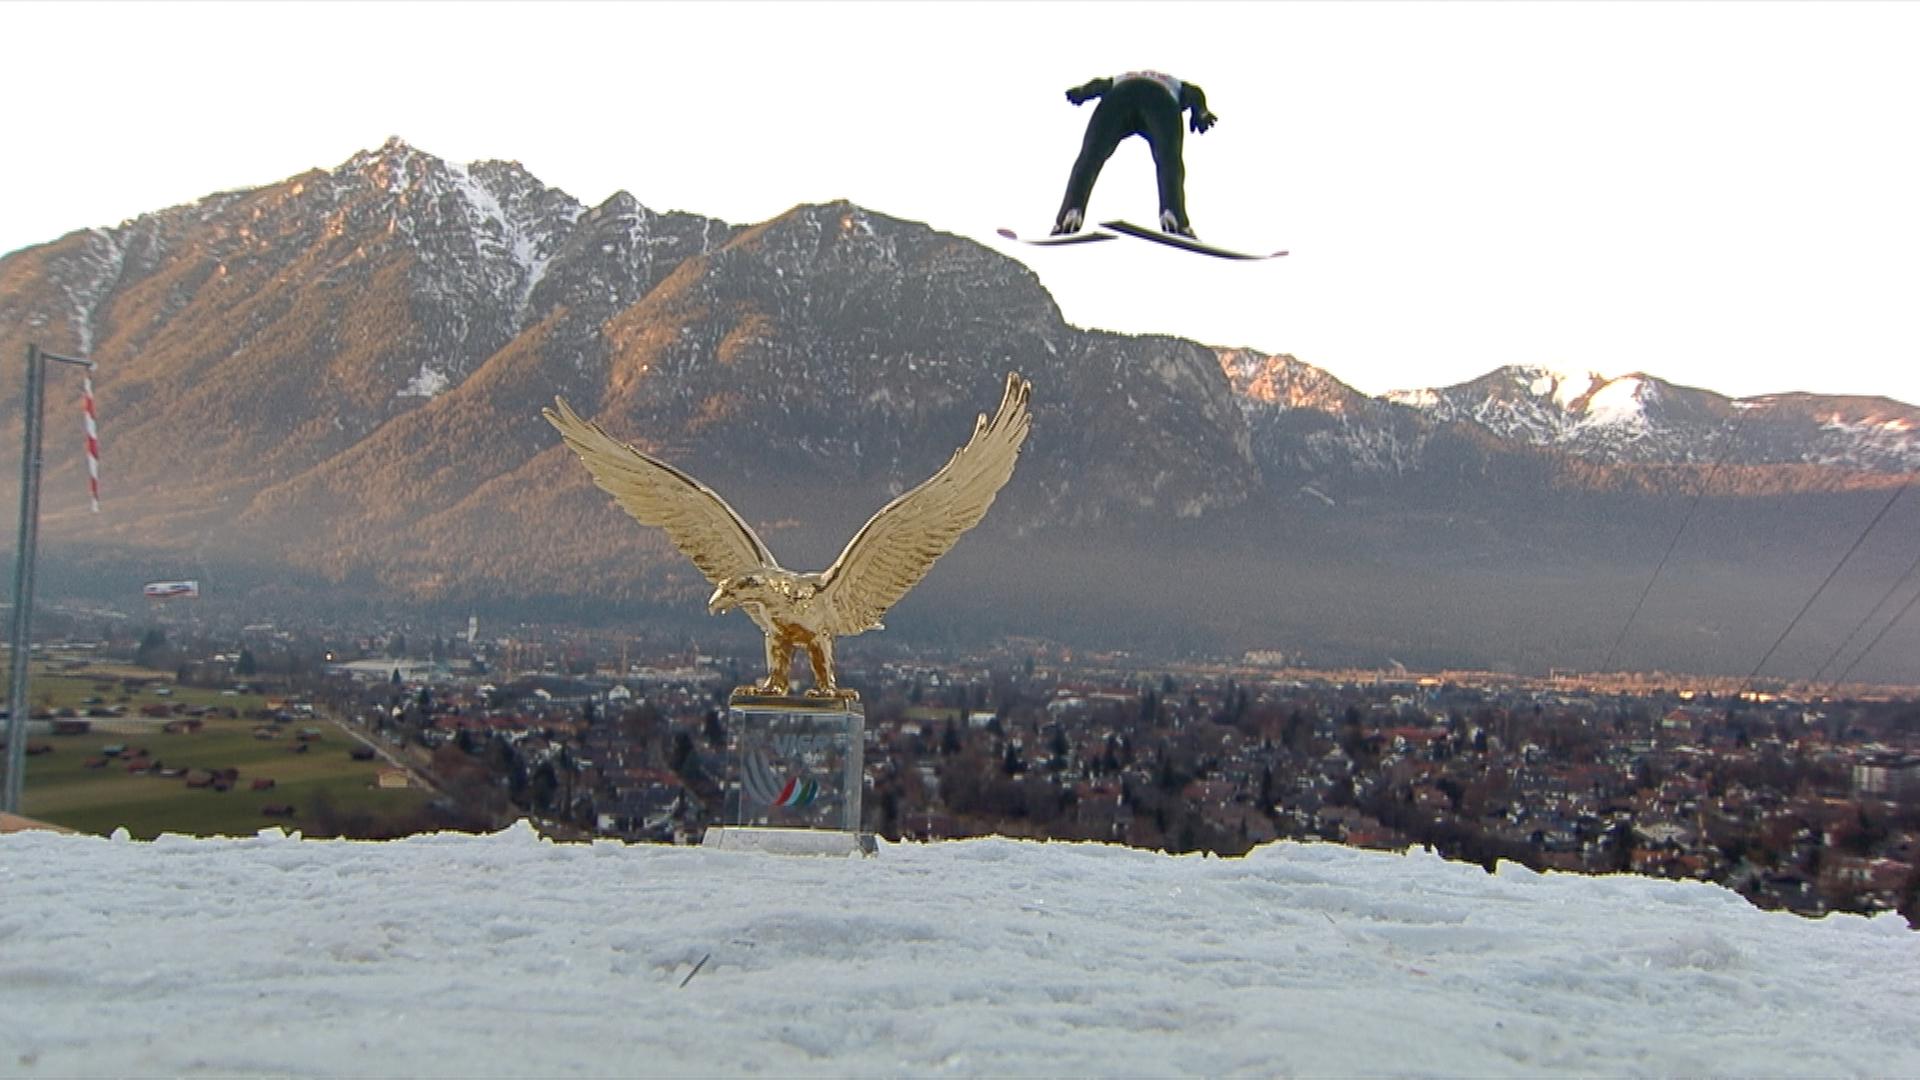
(739, 590)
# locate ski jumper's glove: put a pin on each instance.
(1080, 95)
(1195, 99)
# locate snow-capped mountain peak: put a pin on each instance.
(1610, 418)
(1563, 388)
(508, 223)
(1639, 419)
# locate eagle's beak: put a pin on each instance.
(720, 602)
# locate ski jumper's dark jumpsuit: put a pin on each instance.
(1144, 103)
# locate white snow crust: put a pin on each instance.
(453, 955)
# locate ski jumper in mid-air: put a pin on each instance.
(1144, 103)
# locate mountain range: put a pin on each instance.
(326, 391)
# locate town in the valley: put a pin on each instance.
(1804, 803)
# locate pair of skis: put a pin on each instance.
(1108, 230)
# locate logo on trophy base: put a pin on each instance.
(795, 776)
(797, 759)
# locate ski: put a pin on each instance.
(1085, 236)
(1127, 228)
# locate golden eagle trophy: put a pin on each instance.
(887, 557)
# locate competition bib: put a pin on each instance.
(1167, 82)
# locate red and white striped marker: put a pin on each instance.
(93, 441)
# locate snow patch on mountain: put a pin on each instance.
(89, 280)
(483, 229)
(1871, 428)
(1523, 420)
(1367, 447)
(1889, 440)
(510, 237)
(509, 224)
(1413, 399)
(1563, 388)
(641, 237)
(1619, 403)
(427, 383)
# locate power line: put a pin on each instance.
(1835, 572)
(1732, 438)
(1895, 621)
(1862, 624)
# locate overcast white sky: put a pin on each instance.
(1721, 194)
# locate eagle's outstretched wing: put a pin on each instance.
(699, 522)
(893, 551)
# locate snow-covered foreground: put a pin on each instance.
(456, 955)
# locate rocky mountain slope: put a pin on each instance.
(330, 386)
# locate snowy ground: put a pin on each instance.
(507, 955)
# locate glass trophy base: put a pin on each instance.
(837, 843)
(794, 764)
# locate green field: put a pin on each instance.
(62, 790)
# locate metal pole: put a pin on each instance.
(23, 567)
(23, 582)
